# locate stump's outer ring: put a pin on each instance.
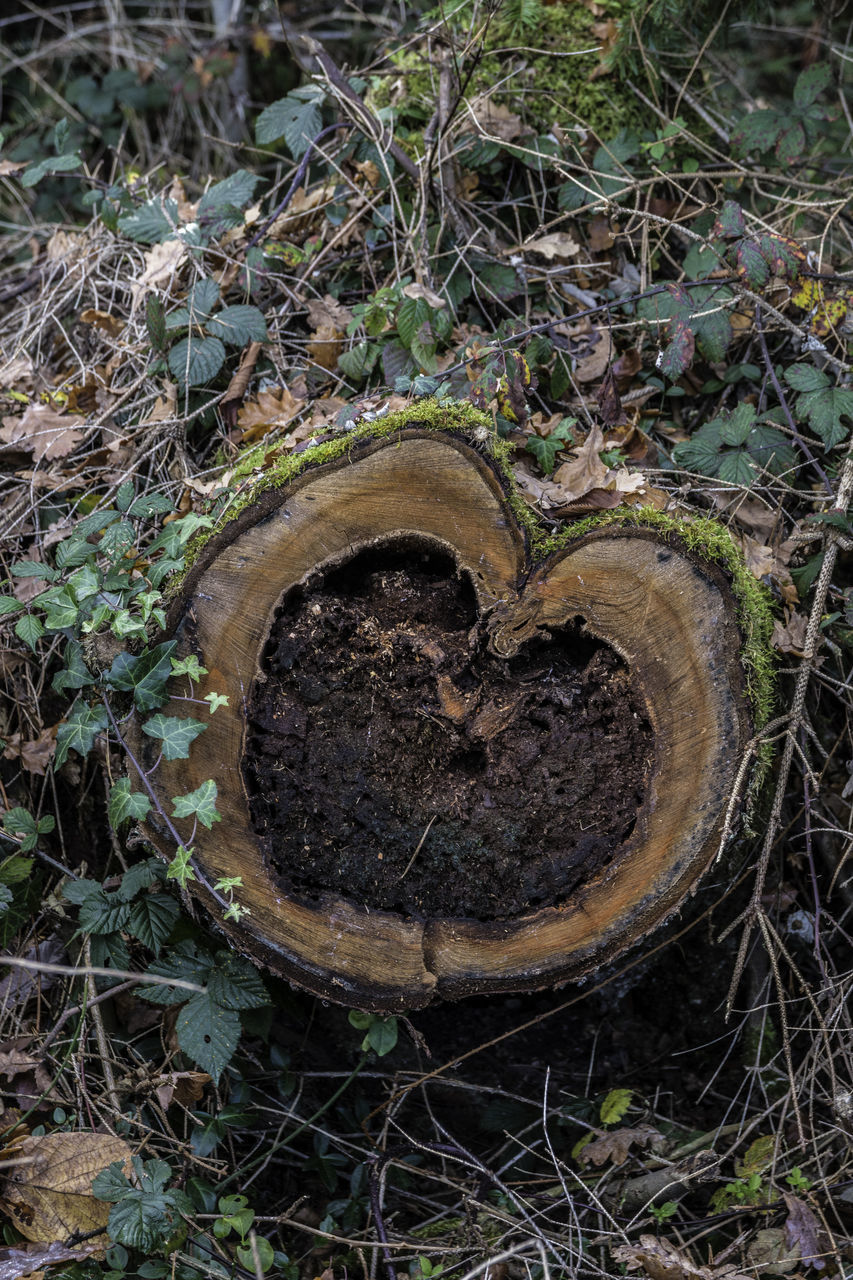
(410, 487)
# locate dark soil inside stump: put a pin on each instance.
(390, 758)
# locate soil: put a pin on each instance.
(391, 759)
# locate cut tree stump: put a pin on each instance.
(444, 768)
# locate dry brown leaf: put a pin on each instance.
(12, 166)
(35, 754)
(497, 120)
(325, 346)
(558, 245)
(769, 561)
(181, 1087)
(48, 1193)
(790, 637)
(165, 406)
(586, 471)
(803, 1229)
(600, 236)
(162, 264)
(70, 246)
(271, 409)
(327, 310)
(303, 212)
(28, 1076)
(32, 1259)
(241, 378)
(416, 290)
(19, 984)
(369, 172)
(594, 357)
(104, 321)
(43, 431)
(616, 1145)
(663, 1261)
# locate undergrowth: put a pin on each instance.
(615, 239)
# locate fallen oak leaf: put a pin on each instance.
(43, 431)
(557, 245)
(586, 471)
(615, 1145)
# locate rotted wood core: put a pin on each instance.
(445, 768)
(393, 758)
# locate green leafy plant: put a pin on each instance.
(146, 1214)
(237, 1217)
(381, 1033)
(791, 131)
(737, 446)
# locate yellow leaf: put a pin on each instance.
(758, 1155)
(615, 1105)
(261, 42)
(48, 1193)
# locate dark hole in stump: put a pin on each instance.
(394, 761)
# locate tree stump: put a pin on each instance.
(445, 767)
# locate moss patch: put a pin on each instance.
(544, 87)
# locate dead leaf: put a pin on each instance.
(497, 120)
(369, 172)
(327, 310)
(790, 637)
(162, 263)
(325, 346)
(303, 212)
(181, 1087)
(273, 408)
(12, 166)
(600, 237)
(28, 1077)
(416, 290)
(48, 1192)
(625, 367)
(594, 357)
(586, 472)
(43, 431)
(165, 406)
(767, 1252)
(240, 380)
(34, 754)
(616, 1144)
(30, 1259)
(803, 1228)
(558, 245)
(766, 561)
(19, 984)
(104, 321)
(68, 246)
(663, 1261)
(609, 401)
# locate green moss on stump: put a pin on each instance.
(703, 536)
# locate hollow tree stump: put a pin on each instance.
(445, 768)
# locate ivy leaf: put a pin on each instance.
(194, 361)
(125, 804)
(200, 803)
(235, 983)
(209, 1033)
(238, 326)
(177, 734)
(79, 731)
(144, 675)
